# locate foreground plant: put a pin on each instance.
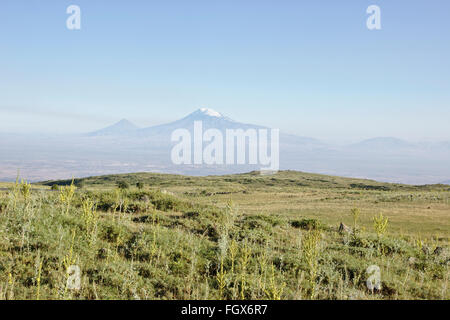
(68, 261)
(25, 189)
(274, 292)
(66, 194)
(245, 256)
(356, 212)
(38, 281)
(90, 218)
(221, 280)
(380, 224)
(310, 254)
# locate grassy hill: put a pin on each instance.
(244, 236)
(252, 179)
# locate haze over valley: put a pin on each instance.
(124, 147)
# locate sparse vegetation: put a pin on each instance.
(231, 237)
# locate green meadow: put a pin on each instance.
(244, 236)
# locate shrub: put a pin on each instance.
(140, 185)
(307, 224)
(79, 184)
(123, 185)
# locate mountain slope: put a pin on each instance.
(386, 143)
(212, 119)
(208, 117)
(123, 127)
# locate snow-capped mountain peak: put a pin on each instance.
(207, 114)
(210, 112)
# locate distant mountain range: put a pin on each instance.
(160, 134)
(125, 147)
(209, 117)
(213, 119)
(382, 142)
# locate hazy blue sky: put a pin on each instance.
(306, 67)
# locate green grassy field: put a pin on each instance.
(243, 236)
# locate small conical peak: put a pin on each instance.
(122, 127)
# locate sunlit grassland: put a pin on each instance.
(223, 237)
(412, 210)
(429, 218)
